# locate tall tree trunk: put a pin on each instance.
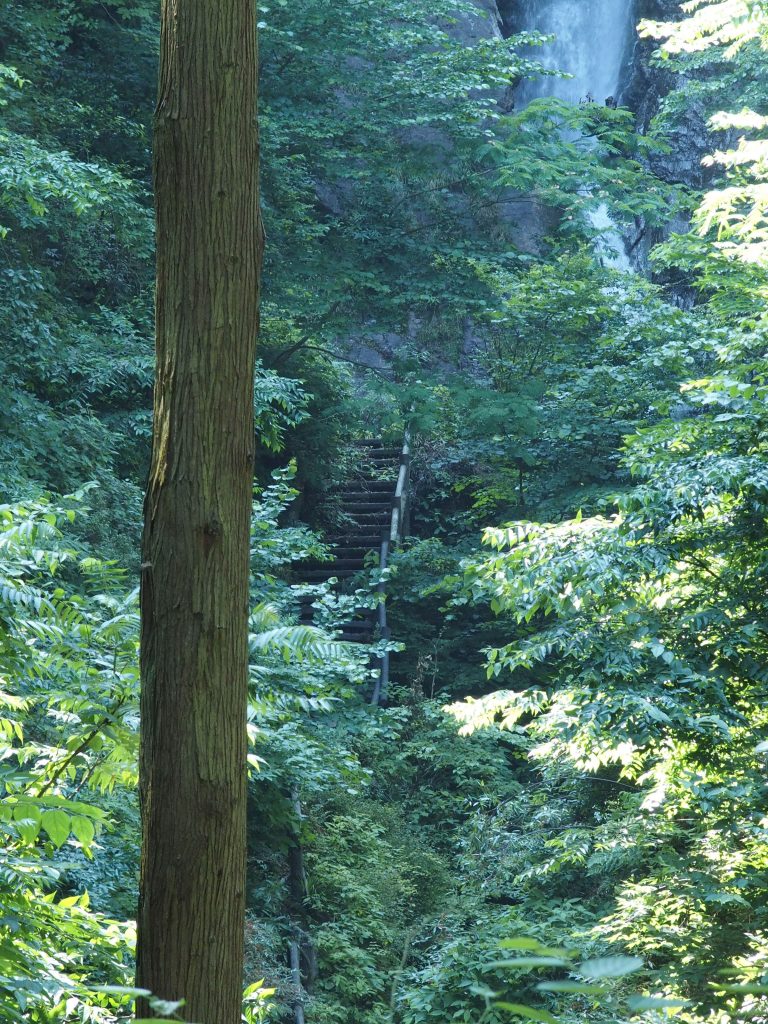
(194, 594)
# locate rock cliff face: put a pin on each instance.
(486, 24)
(641, 86)
(644, 91)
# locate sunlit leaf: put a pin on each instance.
(610, 967)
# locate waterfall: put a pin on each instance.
(591, 43)
(591, 38)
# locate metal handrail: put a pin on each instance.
(398, 527)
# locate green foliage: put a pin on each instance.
(338, 117)
(67, 660)
(578, 158)
(365, 914)
(721, 49)
(638, 654)
(571, 358)
(279, 404)
(76, 261)
(68, 728)
(613, 800)
(449, 991)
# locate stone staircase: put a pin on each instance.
(366, 502)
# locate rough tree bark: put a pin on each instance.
(194, 592)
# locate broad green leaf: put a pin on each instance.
(28, 820)
(57, 825)
(639, 1003)
(123, 990)
(165, 1007)
(534, 945)
(74, 901)
(83, 829)
(570, 986)
(610, 966)
(530, 961)
(520, 1010)
(747, 988)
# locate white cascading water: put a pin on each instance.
(591, 40)
(590, 43)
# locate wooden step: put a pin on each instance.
(321, 575)
(372, 545)
(361, 533)
(368, 486)
(348, 563)
(364, 507)
(385, 453)
(359, 627)
(387, 475)
(367, 497)
(365, 502)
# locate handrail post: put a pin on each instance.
(295, 964)
(297, 888)
(398, 527)
(380, 686)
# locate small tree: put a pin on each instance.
(194, 593)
